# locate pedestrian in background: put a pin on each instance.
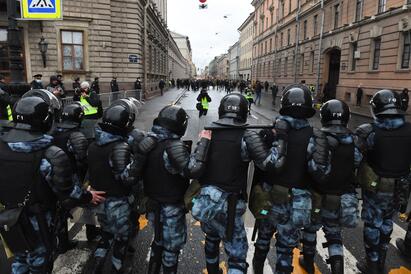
(405, 99)
(359, 95)
(55, 88)
(161, 85)
(274, 91)
(95, 86)
(76, 84)
(258, 90)
(266, 86)
(37, 83)
(60, 82)
(203, 100)
(114, 88)
(250, 98)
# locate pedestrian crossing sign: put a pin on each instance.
(41, 9)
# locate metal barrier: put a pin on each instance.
(108, 98)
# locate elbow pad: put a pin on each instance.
(282, 155)
(120, 157)
(321, 152)
(255, 146)
(178, 154)
(80, 144)
(362, 132)
(137, 135)
(62, 174)
(201, 151)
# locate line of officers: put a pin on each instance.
(305, 180)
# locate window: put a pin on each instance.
(354, 48)
(282, 12)
(285, 65)
(382, 5)
(305, 30)
(336, 15)
(289, 6)
(358, 10)
(315, 24)
(312, 62)
(279, 66)
(281, 39)
(272, 18)
(265, 47)
(406, 51)
(409, 2)
(4, 53)
(72, 45)
(302, 64)
(266, 22)
(376, 56)
(271, 44)
(288, 37)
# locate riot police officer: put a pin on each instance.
(289, 179)
(335, 203)
(387, 148)
(222, 199)
(112, 169)
(33, 175)
(67, 136)
(166, 170)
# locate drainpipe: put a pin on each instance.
(320, 49)
(275, 46)
(145, 48)
(297, 40)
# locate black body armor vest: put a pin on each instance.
(60, 140)
(19, 174)
(225, 167)
(391, 154)
(159, 184)
(295, 173)
(101, 173)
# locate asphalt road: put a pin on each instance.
(192, 257)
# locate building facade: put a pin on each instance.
(177, 64)
(223, 66)
(246, 47)
(99, 38)
(234, 56)
(183, 43)
(337, 46)
(212, 68)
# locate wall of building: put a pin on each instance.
(234, 55)
(246, 47)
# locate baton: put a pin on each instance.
(256, 225)
(240, 127)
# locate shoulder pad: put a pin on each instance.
(319, 133)
(56, 155)
(281, 124)
(137, 135)
(147, 144)
(364, 130)
(79, 140)
(121, 146)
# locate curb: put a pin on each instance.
(179, 97)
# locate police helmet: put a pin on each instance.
(233, 110)
(47, 96)
(297, 102)
(128, 104)
(335, 112)
(117, 119)
(72, 114)
(386, 103)
(173, 118)
(33, 114)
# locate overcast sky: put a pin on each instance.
(201, 26)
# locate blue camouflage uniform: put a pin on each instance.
(114, 213)
(332, 221)
(287, 218)
(35, 262)
(378, 208)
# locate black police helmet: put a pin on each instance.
(297, 102)
(173, 118)
(335, 112)
(72, 114)
(33, 114)
(235, 107)
(47, 96)
(117, 119)
(386, 103)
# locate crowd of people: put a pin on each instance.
(305, 179)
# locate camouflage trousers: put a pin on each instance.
(332, 222)
(377, 213)
(174, 234)
(36, 261)
(210, 208)
(114, 218)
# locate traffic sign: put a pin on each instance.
(41, 9)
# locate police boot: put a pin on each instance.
(214, 269)
(154, 265)
(337, 264)
(258, 260)
(382, 251)
(368, 267)
(170, 270)
(307, 263)
(92, 232)
(123, 270)
(98, 265)
(404, 247)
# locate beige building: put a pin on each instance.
(233, 59)
(246, 47)
(344, 44)
(177, 64)
(223, 66)
(98, 39)
(183, 43)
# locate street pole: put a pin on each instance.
(17, 84)
(320, 49)
(297, 38)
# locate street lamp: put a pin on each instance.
(43, 45)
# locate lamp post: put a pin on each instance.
(43, 46)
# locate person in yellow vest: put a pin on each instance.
(250, 98)
(203, 102)
(90, 101)
(6, 105)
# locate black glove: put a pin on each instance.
(268, 136)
